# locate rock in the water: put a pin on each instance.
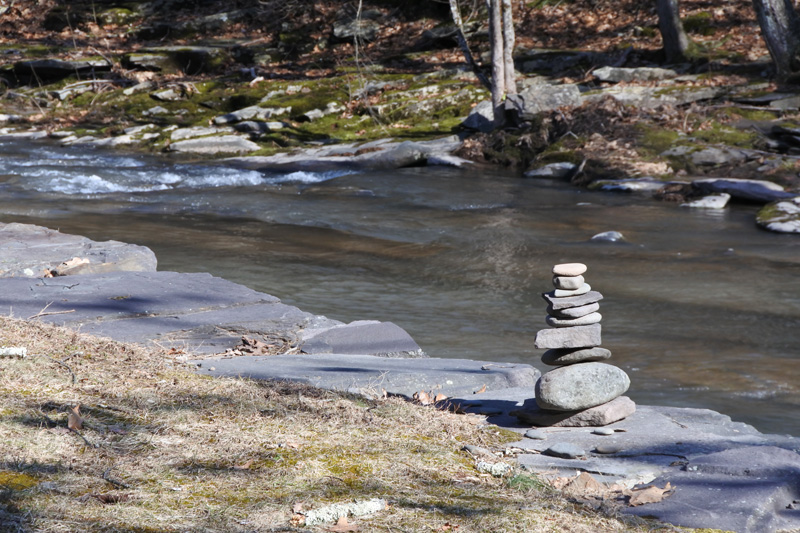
(713, 201)
(750, 190)
(608, 236)
(573, 312)
(562, 357)
(569, 269)
(577, 387)
(591, 318)
(782, 217)
(602, 415)
(576, 337)
(553, 170)
(562, 293)
(559, 303)
(222, 144)
(565, 450)
(569, 283)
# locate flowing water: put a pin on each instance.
(701, 308)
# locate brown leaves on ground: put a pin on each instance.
(585, 487)
(74, 419)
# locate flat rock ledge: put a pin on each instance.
(726, 474)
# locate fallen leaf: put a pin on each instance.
(448, 527)
(482, 390)
(297, 508)
(583, 484)
(423, 397)
(297, 520)
(651, 494)
(342, 526)
(74, 419)
(440, 397)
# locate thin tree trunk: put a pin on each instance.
(498, 62)
(462, 43)
(676, 43)
(508, 48)
(780, 27)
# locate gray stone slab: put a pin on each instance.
(372, 375)
(30, 251)
(748, 489)
(363, 337)
(122, 295)
(574, 337)
(557, 303)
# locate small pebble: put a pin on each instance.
(607, 449)
(603, 431)
(564, 450)
(535, 434)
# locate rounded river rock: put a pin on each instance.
(580, 386)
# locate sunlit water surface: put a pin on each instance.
(701, 308)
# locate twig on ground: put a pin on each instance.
(118, 484)
(41, 313)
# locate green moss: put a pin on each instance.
(16, 481)
(699, 23)
(728, 135)
(655, 140)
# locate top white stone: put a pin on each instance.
(569, 269)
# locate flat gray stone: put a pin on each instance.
(370, 375)
(253, 113)
(748, 489)
(220, 144)
(565, 450)
(569, 283)
(744, 189)
(559, 303)
(566, 293)
(530, 102)
(575, 337)
(573, 312)
(31, 251)
(570, 356)
(362, 337)
(601, 415)
(617, 74)
(535, 434)
(591, 318)
(580, 386)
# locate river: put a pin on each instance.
(701, 308)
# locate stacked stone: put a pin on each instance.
(581, 391)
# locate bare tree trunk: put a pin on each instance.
(462, 43)
(508, 48)
(676, 43)
(780, 28)
(498, 61)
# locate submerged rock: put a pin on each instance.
(744, 189)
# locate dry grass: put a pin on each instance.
(163, 449)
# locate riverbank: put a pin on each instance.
(693, 450)
(220, 83)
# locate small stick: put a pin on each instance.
(118, 484)
(42, 313)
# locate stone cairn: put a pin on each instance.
(581, 391)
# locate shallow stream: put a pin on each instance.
(701, 308)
